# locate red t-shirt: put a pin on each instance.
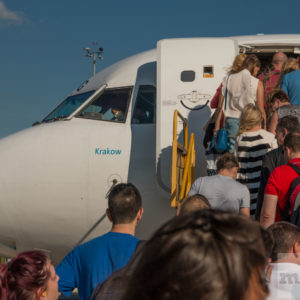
(279, 183)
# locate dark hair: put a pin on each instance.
(290, 123)
(250, 62)
(281, 96)
(285, 235)
(193, 203)
(292, 141)
(204, 255)
(124, 202)
(268, 240)
(24, 275)
(227, 161)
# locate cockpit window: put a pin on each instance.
(144, 111)
(111, 105)
(68, 106)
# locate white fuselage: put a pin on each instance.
(55, 176)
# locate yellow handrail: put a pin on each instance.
(188, 169)
(183, 162)
(185, 127)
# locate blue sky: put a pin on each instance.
(42, 59)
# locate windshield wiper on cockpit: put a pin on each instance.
(59, 118)
(54, 119)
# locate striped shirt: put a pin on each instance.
(251, 148)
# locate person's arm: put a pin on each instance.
(260, 101)
(65, 271)
(195, 188)
(245, 202)
(268, 211)
(245, 211)
(219, 113)
(273, 122)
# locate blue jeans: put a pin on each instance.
(232, 128)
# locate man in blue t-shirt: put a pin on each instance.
(291, 85)
(92, 262)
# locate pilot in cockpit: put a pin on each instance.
(118, 114)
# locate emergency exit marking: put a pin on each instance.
(208, 71)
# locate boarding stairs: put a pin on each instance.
(183, 161)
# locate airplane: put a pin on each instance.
(115, 127)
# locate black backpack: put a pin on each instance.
(291, 212)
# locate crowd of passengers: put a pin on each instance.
(257, 112)
(212, 248)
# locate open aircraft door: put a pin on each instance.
(189, 72)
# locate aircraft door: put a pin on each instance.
(188, 73)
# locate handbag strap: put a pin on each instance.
(226, 92)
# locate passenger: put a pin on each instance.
(192, 203)
(235, 68)
(281, 106)
(291, 85)
(239, 90)
(284, 280)
(289, 66)
(221, 190)
(92, 262)
(252, 144)
(28, 276)
(270, 78)
(203, 255)
(275, 158)
(114, 287)
(212, 157)
(277, 188)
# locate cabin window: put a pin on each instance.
(208, 71)
(111, 105)
(144, 111)
(68, 106)
(188, 76)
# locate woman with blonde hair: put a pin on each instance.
(289, 66)
(237, 63)
(252, 143)
(240, 89)
(209, 127)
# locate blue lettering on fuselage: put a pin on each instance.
(107, 151)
